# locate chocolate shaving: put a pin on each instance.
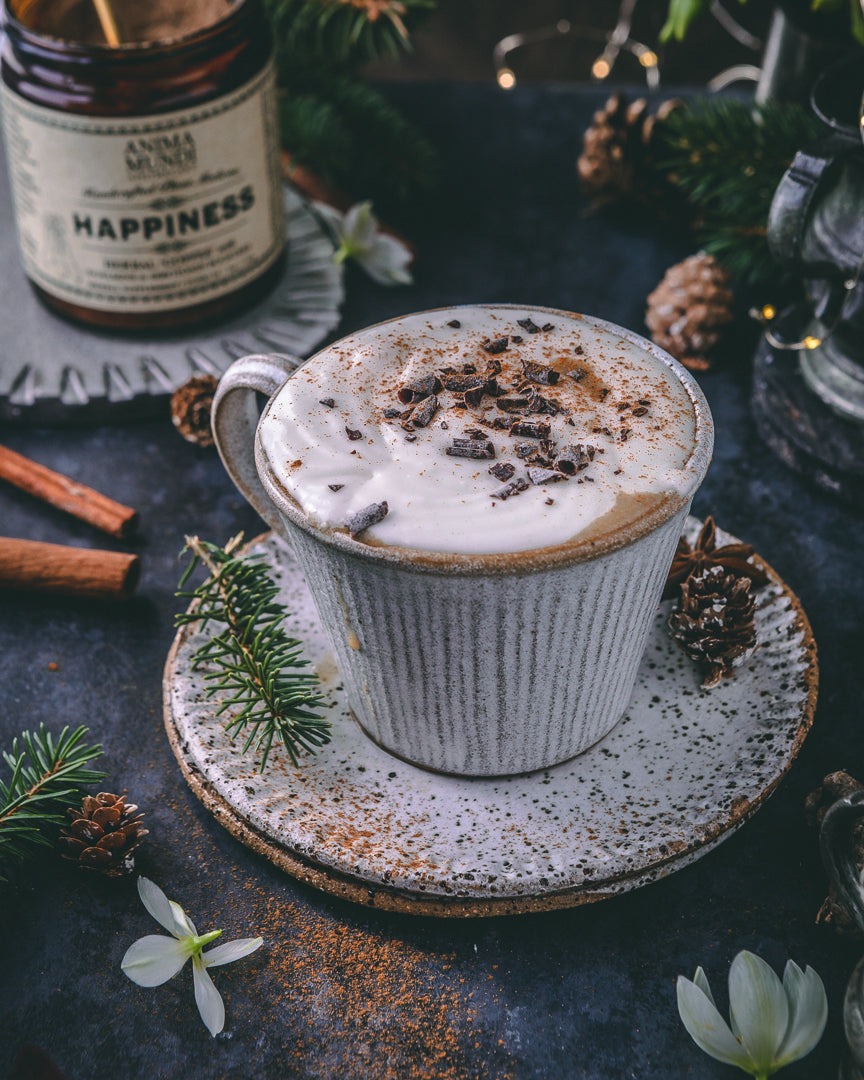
(513, 488)
(514, 403)
(577, 374)
(444, 425)
(575, 458)
(549, 502)
(625, 434)
(419, 389)
(455, 324)
(604, 393)
(499, 345)
(494, 367)
(469, 369)
(475, 433)
(539, 404)
(544, 476)
(424, 412)
(392, 414)
(640, 410)
(369, 515)
(530, 428)
(525, 450)
(471, 448)
(352, 434)
(517, 339)
(579, 350)
(474, 396)
(547, 326)
(502, 470)
(643, 401)
(529, 325)
(335, 487)
(328, 401)
(623, 406)
(410, 438)
(458, 384)
(540, 373)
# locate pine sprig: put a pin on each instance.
(344, 32)
(46, 775)
(254, 664)
(727, 157)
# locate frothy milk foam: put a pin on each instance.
(621, 426)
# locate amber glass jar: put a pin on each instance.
(145, 175)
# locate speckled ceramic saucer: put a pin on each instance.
(681, 771)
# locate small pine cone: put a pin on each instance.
(190, 408)
(103, 835)
(713, 621)
(687, 310)
(615, 163)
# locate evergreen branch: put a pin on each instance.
(728, 157)
(346, 33)
(46, 775)
(254, 664)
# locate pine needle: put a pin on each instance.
(47, 774)
(255, 668)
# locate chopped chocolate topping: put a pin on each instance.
(526, 450)
(474, 396)
(517, 339)
(444, 425)
(513, 403)
(604, 393)
(458, 384)
(335, 487)
(570, 421)
(392, 414)
(500, 423)
(410, 438)
(534, 429)
(640, 410)
(493, 367)
(328, 401)
(369, 515)
(471, 448)
(499, 345)
(643, 401)
(408, 425)
(539, 404)
(579, 350)
(469, 369)
(352, 434)
(513, 488)
(617, 472)
(577, 374)
(606, 431)
(540, 373)
(475, 433)
(588, 479)
(575, 458)
(455, 324)
(502, 470)
(624, 406)
(544, 476)
(625, 434)
(529, 325)
(424, 412)
(549, 502)
(419, 389)
(547, 326)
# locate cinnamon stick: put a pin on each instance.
(67, 571)
(68, 495)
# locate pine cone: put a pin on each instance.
(713, 621)
(190, 408)
(104, 833)
(688, 309)
(734, 558)
(616, 161)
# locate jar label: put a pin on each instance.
(147, 213)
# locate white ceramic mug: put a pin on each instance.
(475, 665)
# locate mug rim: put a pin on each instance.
(530, 559)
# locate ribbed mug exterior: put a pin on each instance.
(488, 674)
(476, 665)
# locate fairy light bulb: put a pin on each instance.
(600, 68)
(506, 79)
(811, 342)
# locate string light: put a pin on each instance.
(506, 78)
(600, 69)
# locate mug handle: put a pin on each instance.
(234, 419)
(835, 840)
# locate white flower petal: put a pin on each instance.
(331, 218)
(158, 904)
(808, 1013)
(386, 261)
(154, 959)
(360, 226)
(758, 1008)
(185, 926)
(208, 999)
(700, 979)
(706, 1026)
(231, 951)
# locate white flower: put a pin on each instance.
(357, 236)
(155, 959)
(772, 1023)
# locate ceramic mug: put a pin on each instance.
(473, 665)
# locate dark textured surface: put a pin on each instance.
(341, 991)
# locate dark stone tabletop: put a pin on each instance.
(340, 990)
